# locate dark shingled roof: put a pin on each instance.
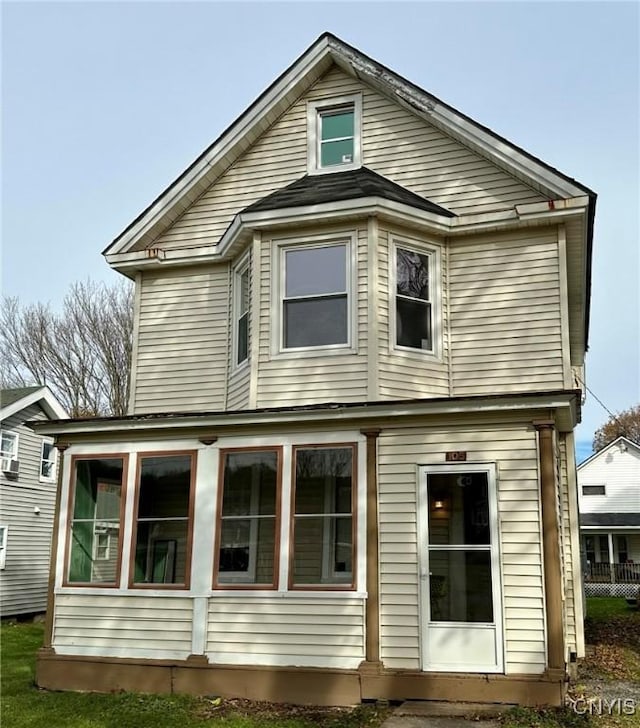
(9, 396)
(610, 519)
(314, 189)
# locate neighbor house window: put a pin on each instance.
(248, 518)
(593, 490)
(414, 300)
(48, 461)
(162, 527)
(315, 296)
(323, 499)
(96, 500)
(4, 532)
(333, 130)
(241, 313)
(8, 445)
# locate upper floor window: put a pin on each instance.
(333, 129)
(593, 490)
(9, 452)
(48, 461)
(315, 296)
(96, 501)
(414, 299)
(4, 532)
(241, 295)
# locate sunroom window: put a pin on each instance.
(414, 300)
(315, 303)
(95, 516)
(248, 526)
(162, 528)
(323, 544)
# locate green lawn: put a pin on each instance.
(601, 608)
(25, 706)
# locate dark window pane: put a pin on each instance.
(247, 551)
(322, 550)
(334, 153)
(413, 323)
(244, 292)
(324, 480)
(315, 322)
(250, 482)
(593, 490)
(243, 338)
(315, 271)
(412, 276)
(165, 485)
(459, 509)
(161, 552)
(337, 124)
(460, 586)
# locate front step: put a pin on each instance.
(436, 708)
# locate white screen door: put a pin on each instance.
(461, 620)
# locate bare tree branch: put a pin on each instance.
(82, 353)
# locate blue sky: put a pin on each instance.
(105, 103)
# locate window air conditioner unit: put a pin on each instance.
(9, 465)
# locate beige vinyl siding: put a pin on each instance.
(407, 374)
(395, 143)
(23, 581)
(567, 556)
(513, 448)
(327, 377)
(183, 340)
(313, 631)
(122, 626)
(505, 324)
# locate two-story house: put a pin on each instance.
(609, 504)
(28, 472)
(348, 469)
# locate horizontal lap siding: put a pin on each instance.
(504, 299)
(123, 626)
(310, 632)
(513, 449)
(401, 374)
(395, 142)
(23, 581)
(566, 546)
(182, 340)
(310, 379)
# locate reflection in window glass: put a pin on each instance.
(460, 586)
(95, 520)
(248, 519)
(459, 508)
(336, 136)
(48, 461)
(162, 526)
(413, 301)
(323, 521)
(242, 344)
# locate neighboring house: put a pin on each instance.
(28, 472)
(609, 502)
(359, 316)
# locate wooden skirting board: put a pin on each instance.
(298, 685)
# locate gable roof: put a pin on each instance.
(621, 440)
(19, 398)
(316, 189)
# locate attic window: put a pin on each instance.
(333, 130)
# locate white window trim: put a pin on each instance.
(349, 239)
(329, 539)
(4, 532)
(16, 438)
(314, 109)
(96, 546)
(435, 290)
(241, 267)
(54, 462)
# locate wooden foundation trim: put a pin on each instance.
(297, 685)
(551, 548)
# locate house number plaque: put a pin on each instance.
(456, 456)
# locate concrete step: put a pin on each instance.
(435, 708)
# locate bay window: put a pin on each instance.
(96, 500)
(241, 313)
(316, 292)
(414, 299)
